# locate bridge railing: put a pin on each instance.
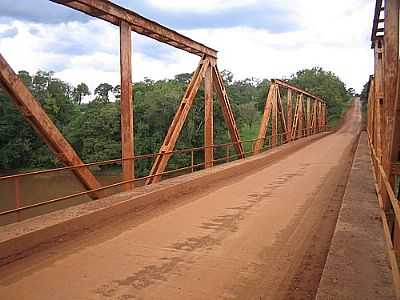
(384, 125)
(15, 182)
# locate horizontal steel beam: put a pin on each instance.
(113, 13)
(395, 169)
(294, 88)
(377, 19)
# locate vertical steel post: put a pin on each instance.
(192, 160)
(275, 118)
(208, 118)
(289, 115)
(127, 140)
(17, 196)
(308, 118)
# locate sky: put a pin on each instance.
(254, 38)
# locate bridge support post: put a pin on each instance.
(296, 119)
(379, 105)
(300, 116)
(281, 117)
(390, 145)
(127, 140)
(314, 118)
(308, 116)
(289, 116)
(265, 119)
(274, 118)
(320, 116)
(208, 118)
(391, 61)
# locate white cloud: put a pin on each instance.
(271, 55)
(199, 6)
(333, 35)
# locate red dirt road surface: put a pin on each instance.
(264, 235)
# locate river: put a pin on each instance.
(43, 187)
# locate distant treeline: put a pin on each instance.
(93, 128)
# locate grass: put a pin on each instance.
(334, 120)
(248, 133)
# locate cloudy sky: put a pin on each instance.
(255, 38)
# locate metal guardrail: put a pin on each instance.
(380, 176)
(229, 156)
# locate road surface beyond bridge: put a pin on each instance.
(264, 235)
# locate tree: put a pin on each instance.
(184, 78)
(351, 92)
(227, 76)
(95, 134)
(326, 85)
(364, 92)
(102, 93)
(248, 113)
(117, 92)
(20, 146)
(79, 92)
(94, 128)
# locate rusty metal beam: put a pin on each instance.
(282, 117)
(308, 116)
(396, 169)
(113, 13)
(274, 136)
(208, 118)
(371, 110)
(291, 125)
(384, 120)
(44, 126)
(161, 161)
(262, 132)
(378, 9)
(289, 115)
(227, 111)
(391, 106)
(206, 65)
(127, 140)
(314, 118)
(296, 89)
(298, 118)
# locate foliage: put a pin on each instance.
(20, 146)
(102, 93)
(326, 85)
(93, 128)
(79, 92)
(364, 93)
(364, 96)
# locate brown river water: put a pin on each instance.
(44, 187)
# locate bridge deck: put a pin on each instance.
(261, 236)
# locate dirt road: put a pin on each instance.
(262, 236)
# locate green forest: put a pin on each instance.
(93, 127)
